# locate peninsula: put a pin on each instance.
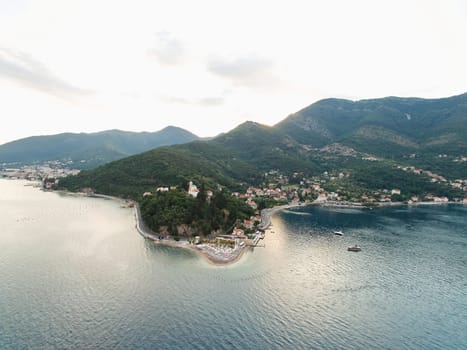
(215, 251)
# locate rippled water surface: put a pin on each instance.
(75, 274)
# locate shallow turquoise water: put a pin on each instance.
(74, 273)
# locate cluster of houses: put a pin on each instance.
(252, 193)
(308, 190)
(458, 183)
(280, 189)
(41, 172)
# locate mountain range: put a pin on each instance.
(332, 135)
(383, 126)
(88, 150)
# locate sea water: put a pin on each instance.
(75, 274)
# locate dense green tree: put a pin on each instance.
(176, 207)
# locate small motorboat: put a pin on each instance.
(338, 233)
(354, 248)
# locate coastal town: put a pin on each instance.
(282, 191)
(38, 172)
(277, 192)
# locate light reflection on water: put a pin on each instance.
(74, 273)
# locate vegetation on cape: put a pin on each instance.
(178, 213)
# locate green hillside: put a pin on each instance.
(331, 135)
(165, 166)
(90, 150)
(266, 148)
(387, 126)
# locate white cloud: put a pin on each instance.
(211, 101)
(204, 101)
(27, 71)
(168, 50)
(246, 70)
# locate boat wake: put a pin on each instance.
(296, 212)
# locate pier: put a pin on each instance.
(254, 243)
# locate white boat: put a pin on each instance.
(338, 233)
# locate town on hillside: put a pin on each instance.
(328, 189)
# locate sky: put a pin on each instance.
(208, 66)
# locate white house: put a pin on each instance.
(193, 190)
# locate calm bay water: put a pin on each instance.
(74, 273)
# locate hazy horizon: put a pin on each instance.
(83, 66)
(181, 127)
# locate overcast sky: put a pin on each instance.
(207, 66)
